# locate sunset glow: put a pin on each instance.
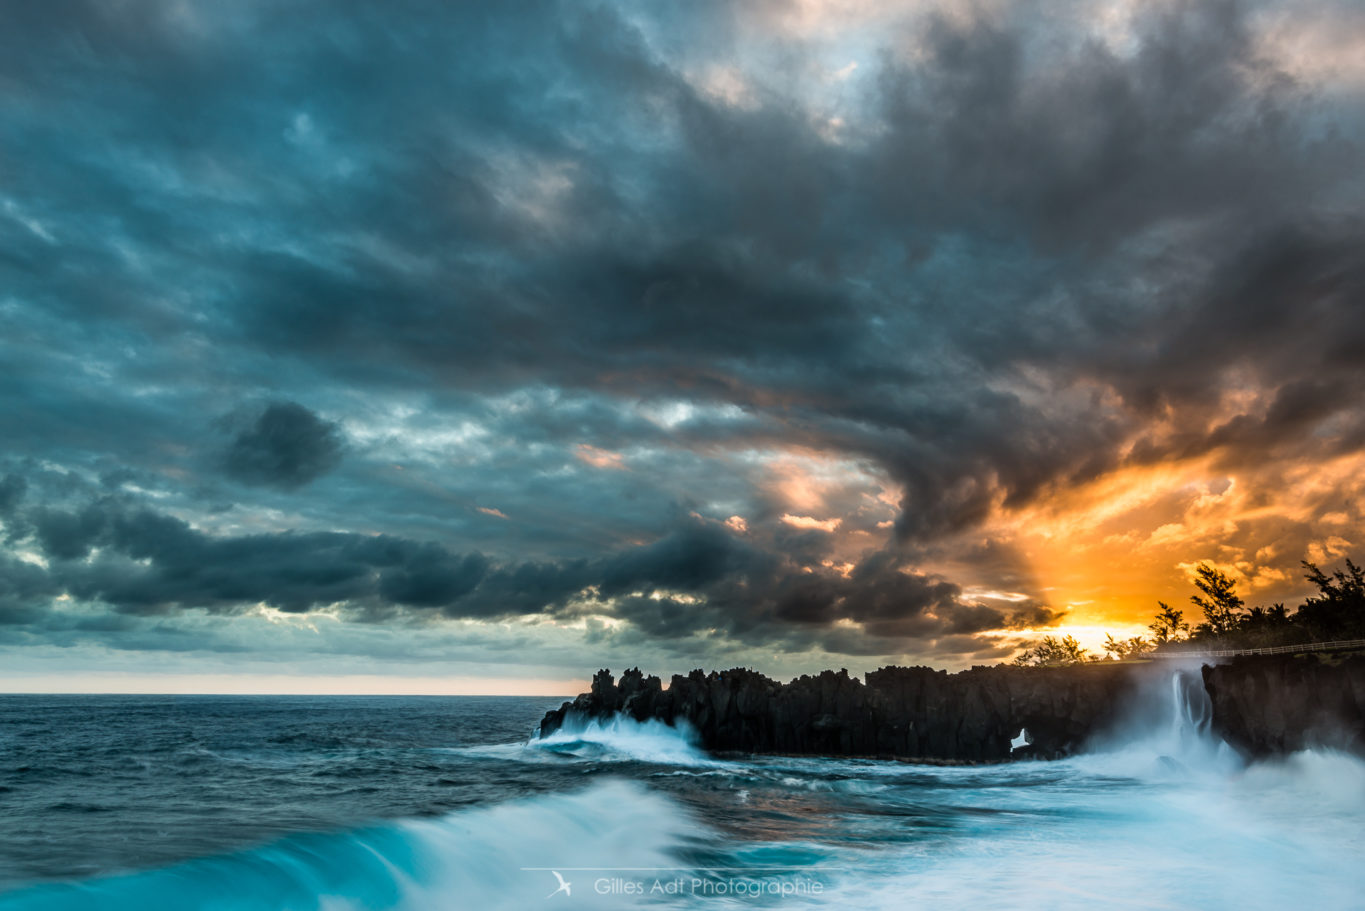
(873, 333)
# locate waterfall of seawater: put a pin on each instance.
(1191, 711)
(1169, 721)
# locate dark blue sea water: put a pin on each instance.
(93, 784)
(348, 803)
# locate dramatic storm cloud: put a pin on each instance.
(521, 340)
(285, 446)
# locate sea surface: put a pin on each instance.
(341, 803)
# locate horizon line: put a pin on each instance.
(4, 693)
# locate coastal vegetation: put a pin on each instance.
(1336, 612)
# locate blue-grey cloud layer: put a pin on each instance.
(314, 306)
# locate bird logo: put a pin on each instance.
(563, 886)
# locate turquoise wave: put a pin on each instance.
(493, 857)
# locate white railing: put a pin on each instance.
(1271, 650)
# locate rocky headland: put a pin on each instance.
(1261, 706)
(1266, 706)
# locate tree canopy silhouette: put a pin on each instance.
(1219, 601)
(1170, 625)
(1054, 652)
(1336, 612)
(1339, 608)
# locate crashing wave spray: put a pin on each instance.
(623, 738)
(1169, 721)
(498, 856)
(1191, 711)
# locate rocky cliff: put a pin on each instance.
(1267, 705)
(915, 713)
(1260, 705)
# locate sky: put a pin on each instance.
(453, 347)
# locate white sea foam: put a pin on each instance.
(1279, 835)
(493, 857)
(622, 738)
(1160, 815)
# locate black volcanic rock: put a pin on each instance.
(913, 713)
(1270, 705)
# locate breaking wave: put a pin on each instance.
(624, 738)
(1159, 815)
(493, 857)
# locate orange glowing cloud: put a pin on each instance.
(1107, 551)
(829, 525)
(1104, 551)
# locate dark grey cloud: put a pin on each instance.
(700, 579)
(25, 592)
(12, 488)
(284, 446)
(1026, 255)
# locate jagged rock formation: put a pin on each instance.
(1269, 705)
(912, 713)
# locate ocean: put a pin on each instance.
(348, 803)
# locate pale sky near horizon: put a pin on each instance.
(454, 348)
(263, 684)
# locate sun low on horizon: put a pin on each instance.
(461, 351)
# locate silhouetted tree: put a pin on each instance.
(1121, 649)
(1054, 652)
(1337, 612)
(1219, 600)
(1169, 625)
(1339, 608)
